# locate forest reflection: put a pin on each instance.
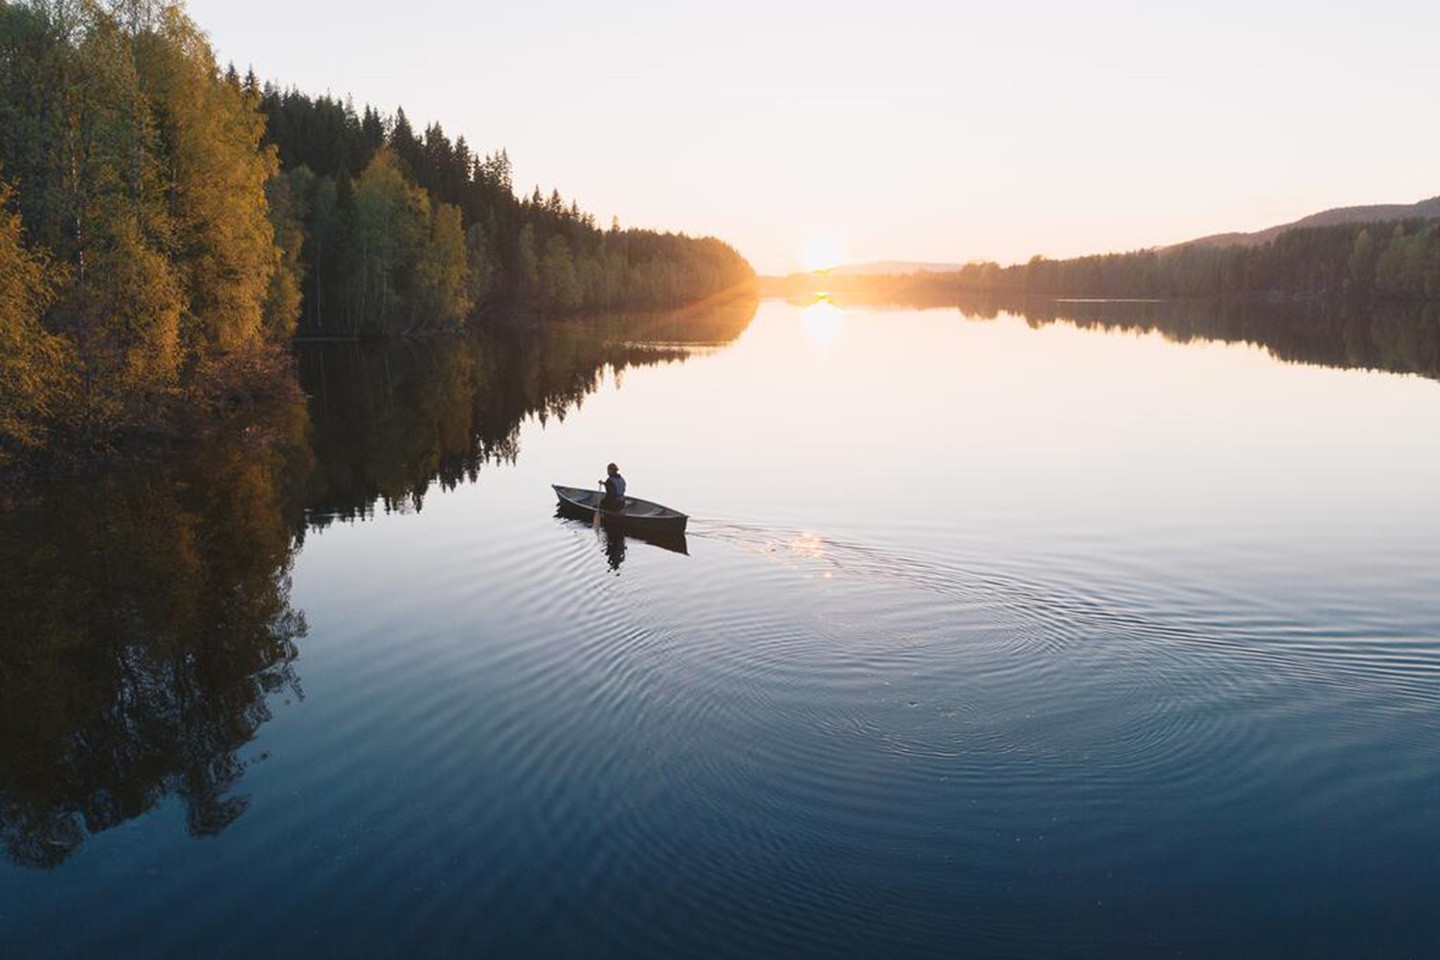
(391, 417)
(1394, 338)
(147, 611)
(148, 621)
(1390, 337)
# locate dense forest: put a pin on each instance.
(1360, 264)
(138, 254)
(406, 231)
(167, 226)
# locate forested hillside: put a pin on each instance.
(394, 220)
(166, 227)
(1357, 263)
(1361, 262)
(1374, 213)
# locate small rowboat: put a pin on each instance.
(640, 516)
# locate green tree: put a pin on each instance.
(480, 257)
(1362, 263)
(327, 248)
(287, 219)
(559, 283)
(392, 224)
(527, 266)
(442, 276)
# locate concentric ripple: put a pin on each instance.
(791, 743)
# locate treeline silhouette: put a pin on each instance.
(166, 225)
(408, 231)
(1359, 263)
(148, 617)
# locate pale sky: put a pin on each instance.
(910, 129)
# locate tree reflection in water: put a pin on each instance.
(147, 611)
(1392, 337)
(1395, 338)
(392, 417)
(147, 619)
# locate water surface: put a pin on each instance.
(1108, 636)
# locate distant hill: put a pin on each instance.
(892, 267)
(1424, 210)
(1375, 213)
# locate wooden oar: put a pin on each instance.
(599, 505)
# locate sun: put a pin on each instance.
(822, 254)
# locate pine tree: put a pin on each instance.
(480, 258)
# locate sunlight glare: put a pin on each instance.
(823, 322)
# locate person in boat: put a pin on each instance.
(614, 485)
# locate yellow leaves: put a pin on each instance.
(36, 367)
(145, 305)
(144, 176)
(216, 171)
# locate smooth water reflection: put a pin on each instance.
(148, 625)
(148, 613)
(989, 637)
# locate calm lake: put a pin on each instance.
(1097, 633)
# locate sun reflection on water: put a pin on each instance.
(823, 322)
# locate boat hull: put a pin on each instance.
(639, 516)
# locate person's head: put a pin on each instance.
(612, 469)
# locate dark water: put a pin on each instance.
(991, 637)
